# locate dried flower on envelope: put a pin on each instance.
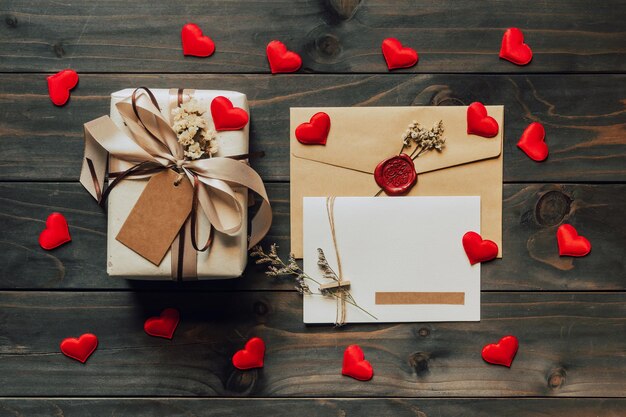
(192, 130)
(396, 175)
(425, 139)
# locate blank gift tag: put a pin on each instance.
(157, 217)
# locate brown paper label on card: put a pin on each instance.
(157, 217)
(386, 298)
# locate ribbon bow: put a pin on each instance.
(152, 146)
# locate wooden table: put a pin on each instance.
(569, 314)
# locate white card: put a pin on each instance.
(403, 256)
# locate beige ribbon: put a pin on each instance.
(152, 141)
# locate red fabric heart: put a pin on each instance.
(56, 232)
(533, 142)
(164, 325)
(227, 117)
(514, 49)
(281, 59)
(479, 249)
(315, 132)
(398, 56)
(355, 365)
(251, 356)
(570, 242)
(501, 353)
(60, 84)
(79, 348)
(194, 43)
(479, 122)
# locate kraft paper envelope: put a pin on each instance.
(361, 137)
(403, 257)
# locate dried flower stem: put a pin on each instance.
(424, 139)
(276, 267)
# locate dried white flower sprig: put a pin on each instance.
(424, 139)
(277, 268)
(192, 130)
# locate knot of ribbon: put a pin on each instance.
(151, 146)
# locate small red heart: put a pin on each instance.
(194, 43)
(570, 242)
(251, 356)
(479, 122)
(315, 132)
(281, 59)
(355, 365)
(533, 142)
(164, 325)
(79, 348)
(398, 56)
(60, 84)
(56, 232)
(479, 249)
(227, 117)
(514, 49)
(501, 353)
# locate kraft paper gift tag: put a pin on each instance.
(403, 256)
(158, 215)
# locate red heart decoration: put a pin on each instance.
(355, 365)
(194, 43)
(60, 84)
(479, 249)
(570, 243)
(315, 132)
(398, 56)
(164, 325)
(501, 353)
(533, 142)
(251, 356)
(227, 117)
(56, 232)
(514, 49)
(79, 348)
(281, 59)
(479, 122)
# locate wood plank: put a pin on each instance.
(331, 36)
(584, 116)
(82, 262)
(532, 214)
(397, 407)
(571, 345)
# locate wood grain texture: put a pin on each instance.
(397, 407)
(531, 213)
(82, 262)
(571, 345)
(584, 117)
(331, 35)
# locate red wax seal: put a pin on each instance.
(396, 175)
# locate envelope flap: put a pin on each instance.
(361, 137)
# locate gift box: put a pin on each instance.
(140, 143)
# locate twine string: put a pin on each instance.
(340, 317)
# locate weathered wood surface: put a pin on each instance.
(584, 116)
(571, 360)
(532, 214)
(571, 345)
(397, 407)
(330, 35)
